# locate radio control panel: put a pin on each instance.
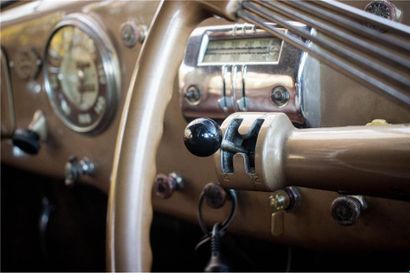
(240, 68)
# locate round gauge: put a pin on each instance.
(81, 74)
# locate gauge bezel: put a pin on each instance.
(109, 60)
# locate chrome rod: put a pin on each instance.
(330, 59)
(332, 46)
(363, 16)
(353, 26)
(339, 34)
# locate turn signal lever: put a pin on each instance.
(265, 152)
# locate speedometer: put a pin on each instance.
(81, 74)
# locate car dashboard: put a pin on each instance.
(68, 69)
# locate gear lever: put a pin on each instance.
(203, 137)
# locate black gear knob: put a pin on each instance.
(202, 137)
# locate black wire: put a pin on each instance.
(224, 225)
(289, 260)
(227, 221)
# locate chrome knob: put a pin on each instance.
(75, 168)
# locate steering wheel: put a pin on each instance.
(129, 208)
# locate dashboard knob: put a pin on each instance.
(76, 168)
(166, 185)
(347, 209)
(202, 137)
(215, 195)
(27, 140)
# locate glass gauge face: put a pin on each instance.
(76, 81)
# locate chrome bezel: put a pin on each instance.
(223, 85)
(110, 66)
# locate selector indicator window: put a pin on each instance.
(242, 51)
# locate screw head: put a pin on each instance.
(192, 94)
(280, 96)
(132, 33)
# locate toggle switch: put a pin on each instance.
(28, 140)
(282, 201)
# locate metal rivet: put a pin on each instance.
(192, 94)
(280, 96)
(131, 33)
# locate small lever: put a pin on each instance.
(28, 140)
(282, 201)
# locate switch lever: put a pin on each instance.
(28, 140)
(282, 201)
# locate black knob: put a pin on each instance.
(346, 210)
(202, 137)
(27, 140)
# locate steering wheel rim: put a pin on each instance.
(134, 167)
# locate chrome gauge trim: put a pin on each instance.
(109, 60)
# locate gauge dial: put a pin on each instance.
(80, 76)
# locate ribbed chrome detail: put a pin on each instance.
(370, 49)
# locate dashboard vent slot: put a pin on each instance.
(370, 49)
